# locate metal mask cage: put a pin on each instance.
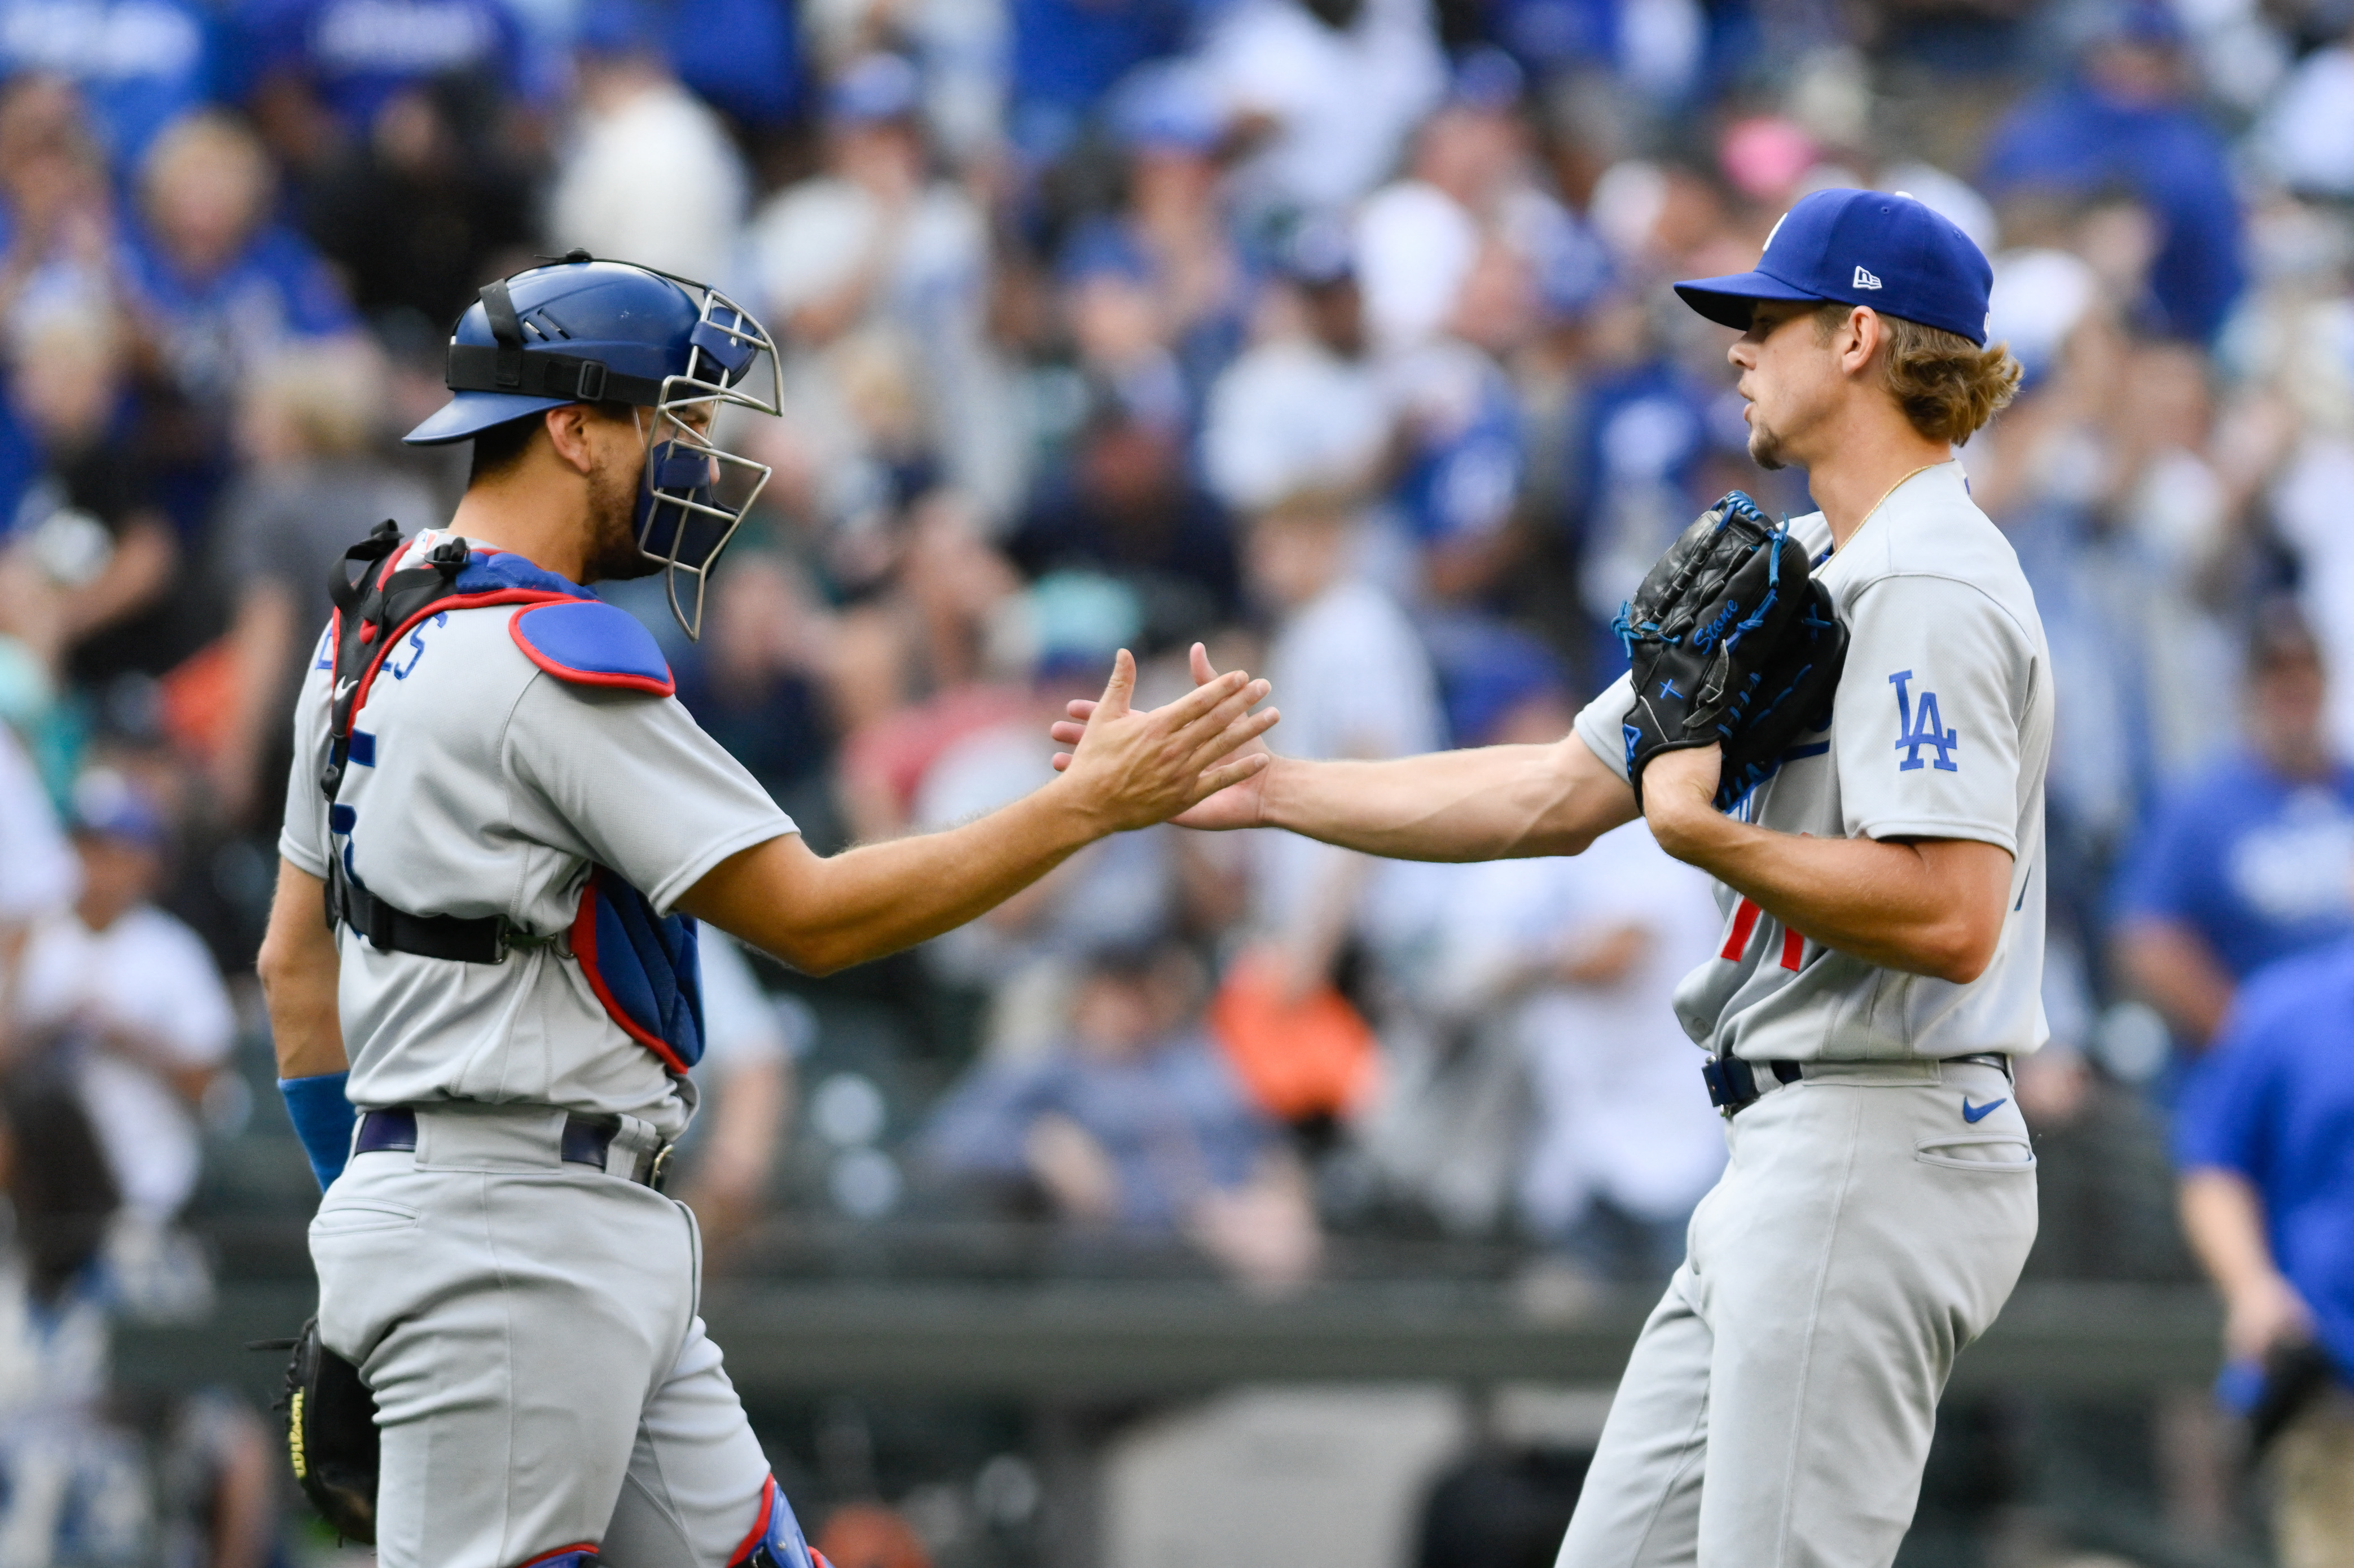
(696, 493)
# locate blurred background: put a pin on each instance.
(1223, 1200)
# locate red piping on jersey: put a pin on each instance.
(665, 687)
(587, 1546)
(751, 1543)
(1744, 926)
(584, 948)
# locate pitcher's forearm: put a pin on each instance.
(1496, 802)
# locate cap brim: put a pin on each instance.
(468, 414)
(1727, 301)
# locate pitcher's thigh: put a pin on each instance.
(697, 1474)
(1640, 1504)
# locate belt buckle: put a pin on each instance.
(658, 1169)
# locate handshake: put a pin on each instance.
(1198, 761)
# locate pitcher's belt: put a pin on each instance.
(586, 1141)
(1734, 1083)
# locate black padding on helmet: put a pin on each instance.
(506, 366)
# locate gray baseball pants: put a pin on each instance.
(530, 1329)
(1778, 1409)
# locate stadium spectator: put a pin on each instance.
(133, 995)
(2124, 118)
(328, 74)
(138, 64)
(2251, 859)
(1068, 54)
(649, 173)
(313, 486)
(89, 553)
(1323, 95)
(218, 283)
(876, 275)
(1137, 1124)
(2260, 1139)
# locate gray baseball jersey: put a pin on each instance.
(1941, 728)
(493, 788)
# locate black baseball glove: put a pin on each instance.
(1732, 644)
(330, 1436)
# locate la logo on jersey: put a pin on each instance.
(1865, 279)
(1919, 724)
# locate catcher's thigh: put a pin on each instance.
(541, 1378)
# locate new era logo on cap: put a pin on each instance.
(1924, 267)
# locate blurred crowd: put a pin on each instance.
(1332, 333)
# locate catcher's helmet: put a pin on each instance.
(585, 330)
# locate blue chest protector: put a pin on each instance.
(641, 965)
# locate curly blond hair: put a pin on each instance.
(1947, 384)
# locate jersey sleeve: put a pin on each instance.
(1602, 724)
(1926, 723)
(632, 783)
(303, 832)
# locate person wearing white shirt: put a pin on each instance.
(138, 991)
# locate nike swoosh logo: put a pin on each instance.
(1979, 1113)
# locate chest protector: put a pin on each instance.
(641, 965)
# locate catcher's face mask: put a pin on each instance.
(694, 492)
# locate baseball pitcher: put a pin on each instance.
(512, 828)
(1869, 796)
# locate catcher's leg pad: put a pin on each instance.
(776, 1539)
(330, 1436)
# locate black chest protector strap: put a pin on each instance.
(369, 613)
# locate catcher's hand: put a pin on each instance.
(330, 1436)
(1732, 644)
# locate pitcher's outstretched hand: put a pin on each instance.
(1138, 768)
(1236, 798)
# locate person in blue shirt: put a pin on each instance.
(138, 64)
(217, 285)
(1138, 1125)
(2264, 1137)
(2249, 859)
(321, 71)
(2122, 120)
(1068, 54)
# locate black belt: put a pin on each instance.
(480, 940)
(1733, 1080)
(585, 1142)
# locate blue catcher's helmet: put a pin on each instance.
(585, 330)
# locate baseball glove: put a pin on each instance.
(330, 1436)
(1732, 644)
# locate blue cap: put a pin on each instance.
(107, 804)
(1861, 247)
(874, 88)
(1167, 108)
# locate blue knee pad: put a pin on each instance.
(776, 1539)
(580, 1556)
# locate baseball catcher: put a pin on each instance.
(512, 829)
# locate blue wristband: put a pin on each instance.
(323, 1120)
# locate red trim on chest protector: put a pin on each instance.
(584, 948)
(525, 597)
(636, 680)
